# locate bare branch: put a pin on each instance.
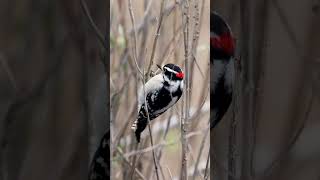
(195, 172)
(134, 37)
(95, 28)
(146, 21)
(128, 163)
(7, 69)
(149, 126)
(284, 153)
(169, 173)
(156, 38)
(185, 110)
(163, 143)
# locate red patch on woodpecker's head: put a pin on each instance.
(180, 75)
(224, 42)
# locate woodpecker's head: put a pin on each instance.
(172, 72)
(222, 44)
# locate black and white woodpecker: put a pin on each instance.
(222, 49)
(162, 91)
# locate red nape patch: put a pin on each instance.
(180, 75)
(225, 42)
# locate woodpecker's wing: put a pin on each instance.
(154, 84)
(159, 100)
(150, 91)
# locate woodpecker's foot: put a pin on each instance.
(134, 125)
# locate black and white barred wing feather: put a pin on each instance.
(150, 91)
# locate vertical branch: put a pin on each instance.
(128, 163)
(206, 174)
(233, 130)
(186, 104)
(156, 39)
(195, 172)
(245, 96)
(195, 39)
(93, 25)
(196, 34)
(305, 93)
(149, 127)
(134, 36)
(3, 142)
(252, 51)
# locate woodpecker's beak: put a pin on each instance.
(159, 67)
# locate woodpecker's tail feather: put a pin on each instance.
(138, 126)
(138, 135)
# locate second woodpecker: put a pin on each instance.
(222, 49)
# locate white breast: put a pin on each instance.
(220, 68)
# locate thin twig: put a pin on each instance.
(7, 69)
(128, 163)
(220, 165)
(194, 43)
(149, 126)
(134, 162)
(197, 64)
(167, 53)
(185, 115)
(93, 25)
(284, 153)
(206, 174)
(121, 132)
(162, 144)
(156, 38)
(165, 136)
(195, 172)
(169, 172)
(146, 21)
(288, 27)
(134, 37)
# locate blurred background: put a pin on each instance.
(272, 131)
(52, 84)
(125, 81)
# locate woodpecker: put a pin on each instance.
(161, 91)
(222, 49)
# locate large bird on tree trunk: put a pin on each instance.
(222, 50)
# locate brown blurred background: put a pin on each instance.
(54, 91)
(52, 85)
(276, 119)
